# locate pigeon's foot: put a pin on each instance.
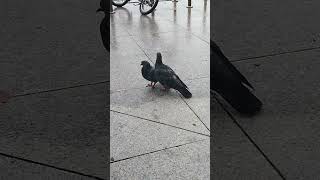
(153, 85)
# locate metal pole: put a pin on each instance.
(189, 4)
(111, 7)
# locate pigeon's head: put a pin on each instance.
(145, 63)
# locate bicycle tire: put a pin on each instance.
(120, 4)
(150, 10)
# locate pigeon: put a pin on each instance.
(168, 78)
(148, 73)
(229, 83)
(104, 25)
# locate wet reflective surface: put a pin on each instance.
(276, 47)
(147, 124)
(53, 66)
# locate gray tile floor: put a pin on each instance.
(155, 134)
(53, 63)
(276, 46)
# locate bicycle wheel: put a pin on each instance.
(119, 3)
(147, 6)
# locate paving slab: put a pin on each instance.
(256, 28)
(136, 24)
(65, 128)
(191, 161)
(55, 47)
(15, 169)
(131, 136)
(200, 101)
(287, 128)
(195, 20)
(117, 29)
(172, 41)
(158, 106)
(145, 120)
(233, 156)
(123, 45)
(125, 71)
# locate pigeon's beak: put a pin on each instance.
(98, 10)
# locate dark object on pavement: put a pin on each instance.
(169, 79)
(104, 25)
(227, 81)
(148, 73)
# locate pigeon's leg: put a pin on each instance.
(154, 83)
(149, 85)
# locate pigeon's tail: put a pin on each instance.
(185, 92)
(159, 59)
(242, 100)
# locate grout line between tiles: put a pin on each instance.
(276, 54)
(50, 166)
(157, 151)
(250, 139)
(194, 113)
(160, 123)
(121, 90)
(58, 89)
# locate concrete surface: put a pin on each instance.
(258, 28)
(287, 128)
(63, 128)
(187, 161)
(48, 45)
(275, 44)
(15, 169)
(156, 134)
(132, 136)
(53, 64)
(233, 156)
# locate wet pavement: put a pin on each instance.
(54, 79)
(156, 134)
(276, 46)
(53, 75)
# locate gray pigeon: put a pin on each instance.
(148, 73)
(168, 78)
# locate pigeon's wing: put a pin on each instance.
(145, 71)
(183, 84)
(167, 77)
(221, 57)
(176, 76)
(152, 75)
